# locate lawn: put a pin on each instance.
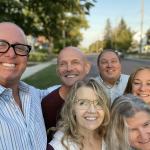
(44, 78)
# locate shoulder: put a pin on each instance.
(57, 144)
(124, 77)
(56, 141)
(53, 88)
(103, 145)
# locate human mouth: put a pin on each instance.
(90, 118)
(143, 95)
(70, 75)
(110, 71)
(145, 141)
(8, 65)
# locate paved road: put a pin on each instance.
(128, 66)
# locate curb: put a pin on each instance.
(30, 70)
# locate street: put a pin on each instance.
(128, 65)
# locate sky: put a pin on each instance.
(114, 10)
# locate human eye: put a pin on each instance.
(103, 62)
(114, 61)
(148, 83)
(136, 82)
(21, 48)
(146, 124)
(76, 62)
(62, 64)
(97, 103)
(3, 45)
(83, 102)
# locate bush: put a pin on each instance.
(38, 56)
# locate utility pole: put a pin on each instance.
(141, 26)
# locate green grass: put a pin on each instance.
(44, 78)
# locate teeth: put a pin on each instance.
(8, 65)
(91, 118)
(110, 70)
(143, 95)
(70, 76)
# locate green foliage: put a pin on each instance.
(108, 35)
(38, 56)
(119, 38)
(122, 37)
(96, 46)
(59, 21)
(45, 78)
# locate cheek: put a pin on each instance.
(132, 138)
(78, 114)
(134, 90)
(60, 71)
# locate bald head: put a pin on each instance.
(71, 50)
(11, 31)
(72, 65)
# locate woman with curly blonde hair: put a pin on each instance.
(84, 119)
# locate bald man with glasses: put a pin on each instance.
(21, 121)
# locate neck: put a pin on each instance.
(15, 92)
(63, 91)
(92, 140)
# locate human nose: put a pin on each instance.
(69, 66)
(142, 87)
(109, 63)
(143, 135)
(92, 107)
(10, 52)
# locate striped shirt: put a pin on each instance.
(22, 130)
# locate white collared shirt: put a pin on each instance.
(22, 130)
(117, 89)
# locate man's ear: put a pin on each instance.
(87, 67)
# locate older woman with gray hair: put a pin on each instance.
(129, 125)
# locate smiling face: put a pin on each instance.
(72, 66)
(139, 130)
(109, 67)
(11, 65)
(141, 85)
(89, 115)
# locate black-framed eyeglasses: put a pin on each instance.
(19, 49)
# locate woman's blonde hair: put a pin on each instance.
(68, 123)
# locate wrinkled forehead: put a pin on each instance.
(109, 55)
(70, 55)
(12, 33)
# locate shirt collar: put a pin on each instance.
(116, 83)
(22, 86)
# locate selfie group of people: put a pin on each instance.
(107, 112)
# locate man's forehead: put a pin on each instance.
(70, 59)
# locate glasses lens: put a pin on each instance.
(85, 104)
(22, 49)
(3, 46)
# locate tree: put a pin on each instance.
(148, 36)
(108, 35)
(51, 18)
(122, 37)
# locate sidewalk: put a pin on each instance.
(36, 68)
